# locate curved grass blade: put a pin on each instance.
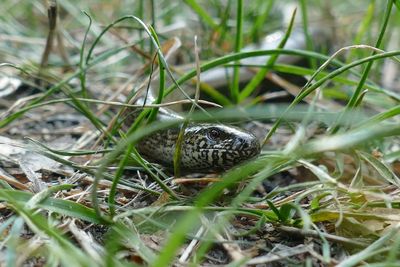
(260, 75)
(63, 207)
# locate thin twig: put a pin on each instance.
(52, 15)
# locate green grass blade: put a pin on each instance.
(204, 16)
(235, 90)
(63, 207)
(260, 75)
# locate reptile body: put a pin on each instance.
(206, 147)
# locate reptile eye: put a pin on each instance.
(214, 134)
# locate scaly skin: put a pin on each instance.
(206, 147)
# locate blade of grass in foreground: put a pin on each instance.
(64, 207)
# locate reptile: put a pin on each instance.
(208, 147)
(205, 147)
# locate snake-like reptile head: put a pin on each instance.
(217, 146)
(206, 147)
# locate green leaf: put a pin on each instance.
(286, 211)
(64, 207)
(41, 196)
(275, 210)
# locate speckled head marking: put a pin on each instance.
(206, 147)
